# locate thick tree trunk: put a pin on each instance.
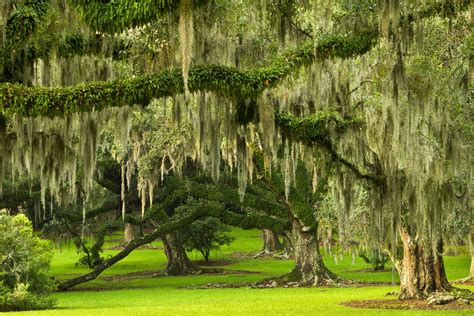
(309, 267)
(178, 261)
(421, 269)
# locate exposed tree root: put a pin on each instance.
(274, 255)
(298, 279)
(466, 281)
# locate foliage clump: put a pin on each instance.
(375, 258)
(24, 259)
(206, 235)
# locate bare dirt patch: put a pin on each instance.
(162, 273)
(218, 285)
(408, 305)
(214, 263)
(242, 255)
(368, 270)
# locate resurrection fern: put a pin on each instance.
(38, 101)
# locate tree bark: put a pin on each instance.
(271, 243)
(288, 245)
(178, 261)
(309, 267)
(129, 233)
(108, 263)
(421, 270)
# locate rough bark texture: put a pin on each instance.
(109, 262)
(178, 261)
(421, 270)
(129, 233)
(271, 243)
(309, 267)
(288, 245)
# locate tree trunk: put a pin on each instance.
(178, 261)
(271, 243)
(421, 269)
(129, 232)
(309, 267)
(288, 245)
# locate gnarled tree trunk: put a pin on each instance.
(178, 261)
(271, 243)
(421, 270)
(309, 267)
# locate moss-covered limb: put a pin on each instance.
(361, 172)
(315, 127)
(445, 9)
(257, 202)
(222, 202)
(116, 16)
(36, 101)
(78, 45)
(252, 220)
(20, 27)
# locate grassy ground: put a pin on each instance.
(168, 295)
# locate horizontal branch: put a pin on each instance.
(41, 101)
(317, 129)
(59, 101)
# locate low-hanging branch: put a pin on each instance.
(132, 245)
(117, 16)
(78, 44)
(41, 101)
(316, 129)
(203, 210)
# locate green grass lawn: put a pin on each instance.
(169, 295)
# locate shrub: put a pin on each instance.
(206, 235)
(376, 258)
(24, 259)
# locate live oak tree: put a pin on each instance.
(377, 94)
